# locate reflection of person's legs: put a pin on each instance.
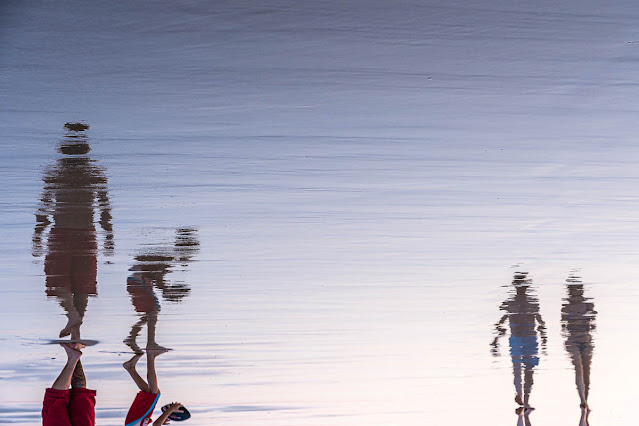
(74, 319)
(528, 383)
(583, 421)
(131, 340)
(517, 381)
(575, 356)
(586, 359)
(151, 344)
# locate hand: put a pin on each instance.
(174, 406)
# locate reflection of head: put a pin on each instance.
(79, 148)
(76, 127)
(520, 279)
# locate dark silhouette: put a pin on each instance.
(71, 188)
(577, 323)
(525, 323)
(149, 273)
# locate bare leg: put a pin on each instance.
(129, 366)
(517, 382)
(528, 383)
(131, 340)
(579, 376)
(583, 421)
(151, 344)
(150, 370)
(78, 380)
(586, 359)
(63, 382)
(65, 298)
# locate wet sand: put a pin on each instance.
(362, 182)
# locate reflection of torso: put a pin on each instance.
(578, 318)
(74, 183)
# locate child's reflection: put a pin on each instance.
(62, 406)
(149, 273)
(522, 313)
(577, 323)
(71, 188)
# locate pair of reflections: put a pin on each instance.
(528, 330)
(75, 192)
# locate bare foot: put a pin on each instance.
(132, 362)
(73, 322)
(73, 350)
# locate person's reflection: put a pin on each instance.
(149, 273)
(522, 416)
(522, 312)
(577, 323)
(71, 188)
(76, 406)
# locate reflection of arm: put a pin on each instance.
(541, 328)
(500, 331)
(105, 221)
(42, 221)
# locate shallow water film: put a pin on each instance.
(319, 213)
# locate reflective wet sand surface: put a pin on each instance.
(380, 214)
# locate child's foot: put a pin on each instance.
(518, 399)
(73, 350)
(130, 364)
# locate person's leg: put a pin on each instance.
(575, 356)
(586, 360)
(129, 366)
(151, 344)
(63, 382)
(78, 380)
(528, 383)
(517, 382)
(131, 340)
(65, 298)
(80, 302)
(82, 407)
(151, 376)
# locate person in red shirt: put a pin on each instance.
(69, 407)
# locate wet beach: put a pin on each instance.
(380, 213)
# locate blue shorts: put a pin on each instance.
(524, 350)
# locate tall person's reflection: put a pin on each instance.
(148, 274)
(526, 325)
(73, 186)
(577, 323)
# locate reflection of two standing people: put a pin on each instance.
(148, 275)
(72, 188)
(526, 327)
(577, 323)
